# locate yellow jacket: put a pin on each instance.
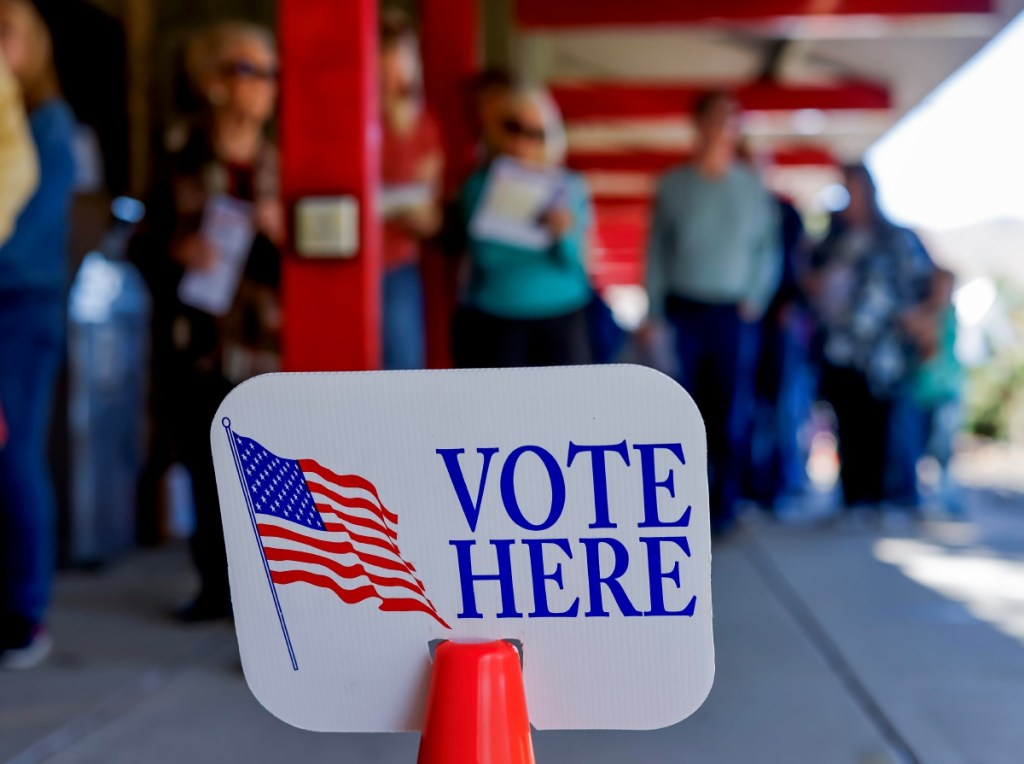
(19, 166)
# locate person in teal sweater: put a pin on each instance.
(525, 305)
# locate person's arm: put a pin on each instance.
(572, 241)
(923, 321)
(425, 221)
(658, 253)
(50, 204)
(488, 256)
(19, 167)
(767, 266)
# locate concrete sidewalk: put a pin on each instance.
(843, 644)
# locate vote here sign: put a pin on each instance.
(368, 514)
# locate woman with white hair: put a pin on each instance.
(526, 305)
(225, 162)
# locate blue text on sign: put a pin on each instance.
(606, 557)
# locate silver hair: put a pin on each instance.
(225, 33)
(556, 144)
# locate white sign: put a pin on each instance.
(367, 514)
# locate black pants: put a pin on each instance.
(199, 397)
(863, 422)
(481, 340)
(713, 345)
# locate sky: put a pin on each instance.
(958, 158)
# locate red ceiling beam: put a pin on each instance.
(659, 161)
(632, 161)
(638, 101)
(803, 156)
(591, 13)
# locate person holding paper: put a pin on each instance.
(209, 251)
(33, 296)
(714, 262)
(411, 171)
(527, 226)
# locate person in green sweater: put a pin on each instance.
(927, 414)
(714, 262)
(525, 303)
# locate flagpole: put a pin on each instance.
(252, 518)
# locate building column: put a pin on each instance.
(330, 146)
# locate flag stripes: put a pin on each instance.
(328, 530)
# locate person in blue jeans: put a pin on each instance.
(714, 260)
(412, 163)
(33, 281)
(776, 476)
(925, 410)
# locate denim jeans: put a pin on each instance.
(909, 424)
(31, 353)
(403, 321)
(715, 348)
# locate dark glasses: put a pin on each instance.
(518, 129)
(409, 92)
(248, 70)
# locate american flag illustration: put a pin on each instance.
(325, 529)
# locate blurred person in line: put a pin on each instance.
(220, 184)
(869, 281)
(713, 265)
(33, 295)
(783, 380)
(411, 173)
(491, 91)
(489, 94)
(926, 412)
(525, 305)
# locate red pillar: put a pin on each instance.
(450, 42)
(330, 146)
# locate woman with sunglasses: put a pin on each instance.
(225, 158)
(526, 306)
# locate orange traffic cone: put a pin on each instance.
(476, 707)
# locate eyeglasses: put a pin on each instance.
(248, 70)
(409, 91)
(516, 128)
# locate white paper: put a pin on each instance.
(227, 224)
(361, 668)
(394, 200)
(513, 202)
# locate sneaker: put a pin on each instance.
(30, 655)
